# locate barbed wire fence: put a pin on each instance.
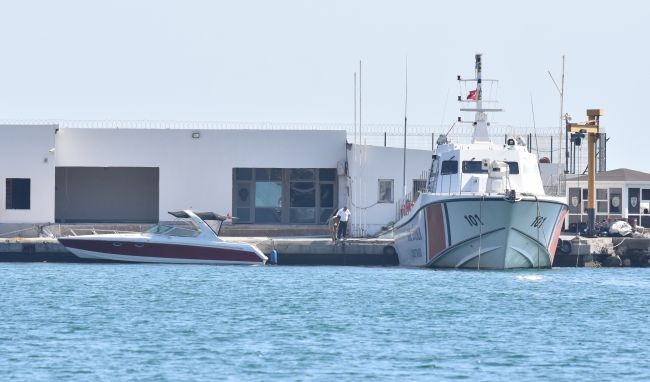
(544, 141)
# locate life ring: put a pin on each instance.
(406, 208)
(564, 246)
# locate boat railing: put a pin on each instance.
(406, 203)
(404, 206)
(556, 185)
(83, 231)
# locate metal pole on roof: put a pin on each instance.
(355, 108)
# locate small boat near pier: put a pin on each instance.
(196, 241)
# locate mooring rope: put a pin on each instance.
(480, 232)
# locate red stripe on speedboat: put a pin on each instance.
(165, 251)
(556, 234)
(436, 230)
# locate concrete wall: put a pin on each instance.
(25, 153)
(368, 164)
(197, 172)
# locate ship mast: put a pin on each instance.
(480, 116)
(480, 123)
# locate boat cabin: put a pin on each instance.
(485, 168)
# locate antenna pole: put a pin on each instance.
(479, 85)
(355, 108)
(405, 104)
(532, 109)
(359, 101)
(562, 115)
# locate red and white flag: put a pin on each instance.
(472, 94)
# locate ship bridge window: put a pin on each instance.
(476, 167)
(449, 167)
(473, 167)
(513, 168)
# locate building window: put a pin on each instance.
(386, 190)
(602, 206)
(18, 194)
(284, 195)
(327, 197)
(268, 195)
(645, 194)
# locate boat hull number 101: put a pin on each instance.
(473, 220)
(538, 221)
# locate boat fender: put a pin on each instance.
(273, 257)
(564, 246)
(389, 250)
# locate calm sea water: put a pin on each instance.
(173, 323)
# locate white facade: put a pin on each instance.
(197, 173)
(25, 154)
(367, 166)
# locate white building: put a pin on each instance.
(261, 176)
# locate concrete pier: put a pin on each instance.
(291, 251)
(605, 252)
(324, 251)
(593, 252)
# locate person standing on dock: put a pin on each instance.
(344, 214)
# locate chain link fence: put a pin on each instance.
(544, 141)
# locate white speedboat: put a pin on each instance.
(194, 242)
(484, 206)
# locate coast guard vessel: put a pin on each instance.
(484, 206)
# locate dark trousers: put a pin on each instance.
(343, 229)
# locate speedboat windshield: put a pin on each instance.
(184, 232)
(158, 229)
(189, 229)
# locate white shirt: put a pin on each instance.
(345, 215)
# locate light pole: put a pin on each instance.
(591, 128)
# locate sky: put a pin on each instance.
(294, 61)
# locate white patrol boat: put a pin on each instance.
(484, 206)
